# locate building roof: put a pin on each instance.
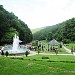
(53, 42)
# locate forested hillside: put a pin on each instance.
(37, 29)
(9, 25)
(64, 31)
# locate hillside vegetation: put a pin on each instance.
(64, 31)
(37, 29)
(9, 25)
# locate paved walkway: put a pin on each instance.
(32, 53)
(67, 50)
(55, 54)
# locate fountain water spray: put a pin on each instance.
(16, 42)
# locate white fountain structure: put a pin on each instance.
(15, 48)
(16, 42)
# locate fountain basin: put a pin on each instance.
(21, 50)
(17, 52)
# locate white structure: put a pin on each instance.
(16, 42)
(16, 48)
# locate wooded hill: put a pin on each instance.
(36, 30)
(64, 31)
(9, 25)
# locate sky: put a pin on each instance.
(41, 13)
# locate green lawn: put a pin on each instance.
(35, 65)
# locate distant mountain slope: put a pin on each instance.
(64, 31)
(37, 29)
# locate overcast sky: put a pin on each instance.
(40, 13)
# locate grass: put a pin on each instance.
(35, 65)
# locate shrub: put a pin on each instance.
(6, 53)
(72, 50)
(60, 46)
(39, 51)
(17, 58)
(44, 57)
(26, 53)
(56, 51)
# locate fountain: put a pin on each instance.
(16, 42)
(15, 48)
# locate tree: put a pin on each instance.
(9, 25)
(26, 53)
(7, 38)
(56, 51)
(6, 53)
(72, 50)
(68, 30)
(38, 51)
(50, 36)
(35, 43)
